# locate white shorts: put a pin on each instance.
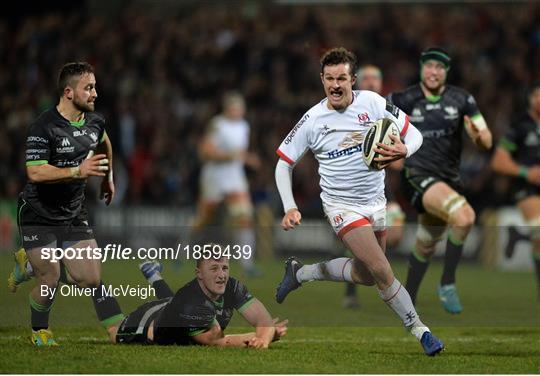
(215, 185)
(343, 217)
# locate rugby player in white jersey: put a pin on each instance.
(224, 152)
(352, 195)
(369, 77)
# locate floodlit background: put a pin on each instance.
(162, 68)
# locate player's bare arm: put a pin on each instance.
(503, 163)
(97, 165)
(257, 315)
(215, 337)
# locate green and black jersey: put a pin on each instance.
(522, 141)
(440, 120)
(52, 139)
(190, 312)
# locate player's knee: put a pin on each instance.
(463, 218)
(369, 281)
(361, 275)
(425, 250)
(89, 281)
(50, 279)
(47, 276)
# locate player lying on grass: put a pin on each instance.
(199, 312)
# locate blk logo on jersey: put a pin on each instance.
(32, 238)
(82, 132)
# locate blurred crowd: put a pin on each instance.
(162, 68)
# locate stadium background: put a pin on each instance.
(161, 68)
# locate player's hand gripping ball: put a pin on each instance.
(379, 132)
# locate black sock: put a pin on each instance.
(107, 309)
(39, 315)
(162, 289)
(350, 289)
(454, 249)
(417, 269)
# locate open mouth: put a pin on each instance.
(433, 80)
(336, 94)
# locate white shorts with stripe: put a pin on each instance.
(344, 216)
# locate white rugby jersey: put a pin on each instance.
(335, 138)
(229, 136)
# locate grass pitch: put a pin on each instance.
(498, 332)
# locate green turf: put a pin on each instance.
(498, 332)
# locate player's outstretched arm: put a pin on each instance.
(97, 165)
(265, 331)
(478, 132)
(283, 176)
(215, 337)
(503, 163)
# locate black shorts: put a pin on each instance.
(415, 183)
(134, 328)
(37, 231)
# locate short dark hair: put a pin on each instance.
(436, 53)
(69, 71)
(339, 55)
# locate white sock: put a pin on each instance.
(399, 300)
(155, 277)
(246, 236)
(337, 270)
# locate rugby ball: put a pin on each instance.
(379, 132)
